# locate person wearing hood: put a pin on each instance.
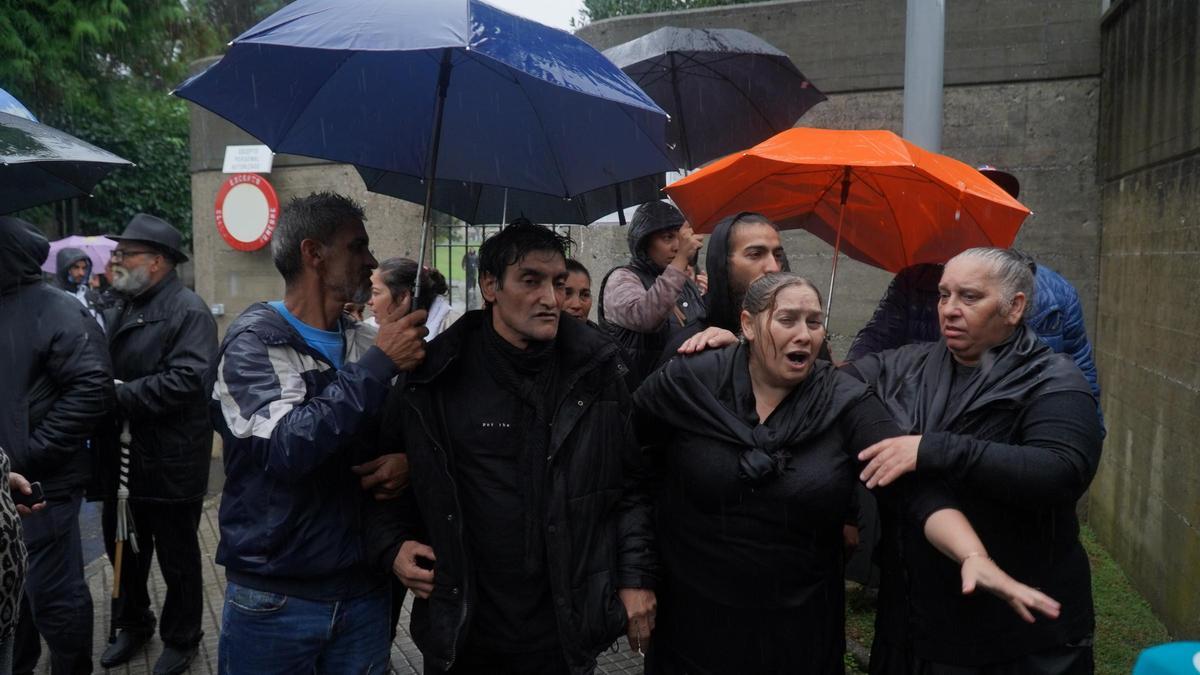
(742, 248)
(757, 444)
(644, 302)
(1011, 427)
(74, 275)
(162, 339)
(58, 387)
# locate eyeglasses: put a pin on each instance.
(120, 254)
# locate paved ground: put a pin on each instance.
(405, 660)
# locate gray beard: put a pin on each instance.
(131, 282)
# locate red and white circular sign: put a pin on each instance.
(247, 211)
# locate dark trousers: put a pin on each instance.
(170, 531)
(479, 663)
(57, 604)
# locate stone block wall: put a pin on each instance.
(1145, 501)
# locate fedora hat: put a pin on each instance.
(156, 231)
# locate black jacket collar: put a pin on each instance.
(580, 345)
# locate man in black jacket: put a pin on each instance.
(525, 536)
(162, 339)
(58, 385)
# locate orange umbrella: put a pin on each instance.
(881, 199)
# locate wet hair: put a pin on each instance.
(1013, 270)
(317, 216)
(763, 295)
(764, 292)
(510, 245)
(574, 265)
(399, 274)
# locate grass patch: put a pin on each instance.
(1125, 625)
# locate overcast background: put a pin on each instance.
(557, 13)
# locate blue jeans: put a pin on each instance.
(265, 633)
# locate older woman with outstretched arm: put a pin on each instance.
(1011, 428)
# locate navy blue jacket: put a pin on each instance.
(292, 426)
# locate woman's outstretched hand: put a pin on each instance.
(982, 572)
(889, 459)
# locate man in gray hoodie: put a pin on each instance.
(74, 276)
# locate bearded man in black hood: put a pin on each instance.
(741, 249)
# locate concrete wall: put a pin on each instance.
(1145, 502)
(1022, 93)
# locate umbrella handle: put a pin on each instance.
(116, 589)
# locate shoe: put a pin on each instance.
(121, 649)
(174, 661)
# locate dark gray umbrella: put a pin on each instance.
(40, 164)
(479, 204)
(725, 89)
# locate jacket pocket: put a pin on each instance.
(602, 617)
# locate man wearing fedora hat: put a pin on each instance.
(162, 338)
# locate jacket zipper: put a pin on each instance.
(462, 621)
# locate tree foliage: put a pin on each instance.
(595, 10)
(102, 70)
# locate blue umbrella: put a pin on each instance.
(9, 104)
(453, 89)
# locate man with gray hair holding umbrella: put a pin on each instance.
(163, 339)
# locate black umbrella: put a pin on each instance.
(40, 164)
(725, 89)
(478, 204)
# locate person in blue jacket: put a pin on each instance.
(295, 397)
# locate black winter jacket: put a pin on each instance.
(58, 379)
(162, 343)
(597, 521)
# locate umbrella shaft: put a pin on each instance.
(431, 174)
(837, 243)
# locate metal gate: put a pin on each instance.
(455, 255)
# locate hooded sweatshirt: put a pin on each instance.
(81, 291)
(55, 361)
(641, 304)
(66, 258)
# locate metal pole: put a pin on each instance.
(431, 173)
(924, 53)
(837, 244)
